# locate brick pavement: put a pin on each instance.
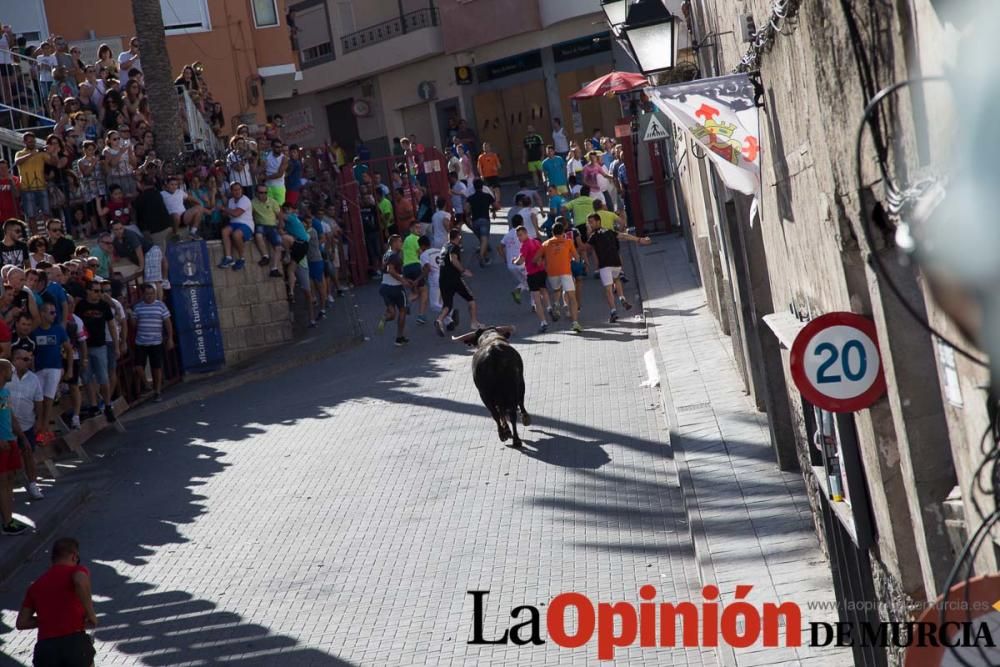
(339, 513)
(751, 522)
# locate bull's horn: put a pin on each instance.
(465, 338)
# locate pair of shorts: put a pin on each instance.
(49, 378)
(535, 165)
(609, 274)
(413, 271)
(317, 271)
(449, 291)
(291, 197)
(481, 228)
(561, 189)
(492, 181)
(97, 366)
(537, 281)
(243, 229)
(10, 458)
(270, 234)
(393, 296)
(277, 193)
(564, 282)
(75, 650)
(299, 250)
(583, 231)
(112, 360)
(153, 353)
(578, 268)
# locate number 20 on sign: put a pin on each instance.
(836, 364)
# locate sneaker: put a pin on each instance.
(13, 528)
(614, 317)
(276, 273)
(576, 327)
(380, 327)
(264, 261)
(34, 492)
(553, 315)
(157, 398)
(453, 316)
(628, 306)
(488, 261)
(517, 296)
(330, 299)
(340, 292)
(543, 327)
(226, 262)
(623, 278)
(312, 324)
(195, 236)
(421, 319)
(109, 414)
(439, 328)
(239, 264)
(74, 423)
(401, 341)
(321, 315)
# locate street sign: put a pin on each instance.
(654, 127)
(836, 364)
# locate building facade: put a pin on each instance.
(893, 541)
(243, 45)
(377, 69)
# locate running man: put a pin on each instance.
(480, 203)
(430, 264)
(531, 248)
(533, 144)
(605, 244)
(452, 284)
(412, 270)
(559, 253)
(489, 167)
(392, 291)
(509, 250)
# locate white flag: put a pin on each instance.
(721, 115)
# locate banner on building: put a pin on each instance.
(298, 125)
(721, 115)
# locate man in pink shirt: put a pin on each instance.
(532, 259)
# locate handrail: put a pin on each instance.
(18, 56)
(200, 132)
(386, 30)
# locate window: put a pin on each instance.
(265, 13)
(312, 33)
(180, 16)
(345, 14)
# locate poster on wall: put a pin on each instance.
(574, 106)
(298, 125)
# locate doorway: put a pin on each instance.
(448, 113)
(417, 121)
(343, 125)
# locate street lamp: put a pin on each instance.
(651, 32)
(615, 11)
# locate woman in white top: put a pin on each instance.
(120, 163)
(574, 163)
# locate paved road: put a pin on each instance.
(338, 514)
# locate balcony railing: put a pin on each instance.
(381, 32)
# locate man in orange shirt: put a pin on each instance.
(489, 170)
(559, 252)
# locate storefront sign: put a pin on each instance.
(836, 364)
(584, 46)
(298, 125)
(463, 75)
(497, 69)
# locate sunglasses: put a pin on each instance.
(262, 192)
(97, 291)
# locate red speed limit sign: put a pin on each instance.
(835, 362)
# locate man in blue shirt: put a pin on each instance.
(556, 203)
(554, 168)
(51, 342)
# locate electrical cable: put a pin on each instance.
(875, 259)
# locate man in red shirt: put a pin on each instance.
(10, 192)
(59, 604)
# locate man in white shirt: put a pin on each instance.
(128, 60)
(559, 141)
(238, 163)
(459, 193)
(275, 165)
(26, 402)
(440, 225)
(239, 230)
(522, 206)
(176, 200)
(510, 249)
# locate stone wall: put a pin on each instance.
(253, 309)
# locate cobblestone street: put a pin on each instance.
(338, 514)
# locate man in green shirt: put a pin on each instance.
(266, 219)
(581, 208)
(103, 252)
(412, 270)
(609, 220)
(385, 212)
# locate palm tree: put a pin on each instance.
(163, 99)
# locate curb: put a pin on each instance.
(146, 409)
(696, 528)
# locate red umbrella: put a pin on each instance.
(611, 84)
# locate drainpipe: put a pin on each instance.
(402, 16)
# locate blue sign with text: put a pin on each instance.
(196, 315)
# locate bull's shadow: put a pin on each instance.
(562, 450)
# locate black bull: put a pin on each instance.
(498, 372)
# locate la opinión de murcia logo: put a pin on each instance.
(707, 623)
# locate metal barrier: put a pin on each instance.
(23, 97)
(200, 133)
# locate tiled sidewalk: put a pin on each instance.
(750, 522)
